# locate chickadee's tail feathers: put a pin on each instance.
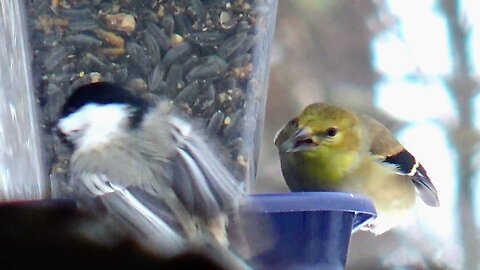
(151, 225)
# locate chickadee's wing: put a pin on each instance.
(388, 150)
(202, 180)
(212, 186)
(198, 177)
(210, 189)
(134, 210)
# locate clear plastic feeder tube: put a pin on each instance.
(208, 57)
(22, 174)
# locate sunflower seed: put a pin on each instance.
(76, 14)
(205, 101)
(181, 24)
(156, 76)
(246, 45)
(174, 79)
(152, 47)
(241, 60)
(120, 73)
(189, 92)
(56, 56)
(82, 40)
(91, 61)
(197, 10)
(168, 24)
(137, 86)
(215, 123)
(211, 69)
(213, 38)
(159, 34)
(139, 57)
(190, 63)
(232, 127)
(230, 45)
(176, 53)
(82, 25)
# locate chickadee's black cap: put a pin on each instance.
(105, 93)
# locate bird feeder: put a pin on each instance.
(209, 58)
(307, 230)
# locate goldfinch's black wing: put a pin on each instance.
(387, 149)
(407, 165)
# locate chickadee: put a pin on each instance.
(147, 168)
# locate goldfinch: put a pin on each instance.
(328, 148)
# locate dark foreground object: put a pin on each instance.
(53, 234)
(308, 230)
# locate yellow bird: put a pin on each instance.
(328, 148)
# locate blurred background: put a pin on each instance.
(415, 68)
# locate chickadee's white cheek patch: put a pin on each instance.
(64, 126)
(70, 124)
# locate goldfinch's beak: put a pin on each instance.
(303, 134)
(303, 140)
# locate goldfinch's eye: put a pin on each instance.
(331, 132)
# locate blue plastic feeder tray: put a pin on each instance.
(310, 230)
